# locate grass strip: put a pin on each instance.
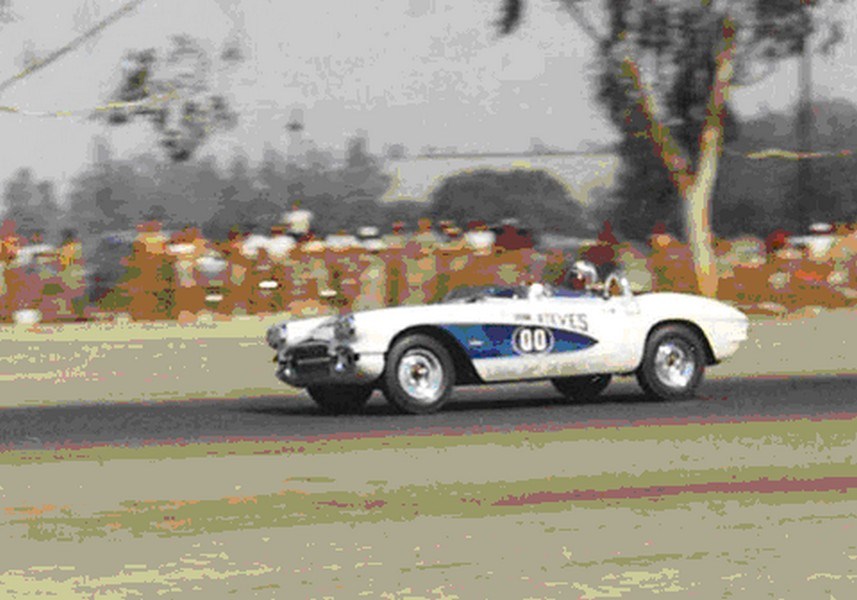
(292, 507)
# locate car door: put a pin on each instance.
(558, 337)
(609, 325)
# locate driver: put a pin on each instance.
(582, 276)
(575, 281)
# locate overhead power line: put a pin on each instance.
(89, 112)
(72, 45)
(783, 154)
(791, 155)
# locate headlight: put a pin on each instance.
(276, 335)
(343, 328)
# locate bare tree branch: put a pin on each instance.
(511, 17)
(582, 21)
(665, 144)
(72, 45)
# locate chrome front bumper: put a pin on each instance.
(326, 362)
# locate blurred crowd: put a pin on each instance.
(40, 281)
(182, 275)
(179, 275)
(780, 273)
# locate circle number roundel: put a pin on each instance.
(532, 340)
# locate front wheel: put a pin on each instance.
(584, 387)
(419, 375)
(673, 363)
(337, 399)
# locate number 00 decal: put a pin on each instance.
(532, 340)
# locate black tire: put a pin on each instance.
(583, 387)
(339, 399)
(673, 363)
(431, 365)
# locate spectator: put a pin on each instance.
(397, 238)
(341, 240)
(150, 234)
(479, 237)
(35, 247)
(425, 234)
(280, 243)
(511, 237)
(298, 221)
(312, 243)
(776, 241)
(370, 239)
(253, 243)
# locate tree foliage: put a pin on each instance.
(114, 195)
(752, 194)
(172, 91)
(31, 205)
(6, 13)
(534, 198)
(675, 43)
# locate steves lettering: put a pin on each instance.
(575, 321)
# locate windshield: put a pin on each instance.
(473, 293)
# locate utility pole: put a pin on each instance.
(808, 206)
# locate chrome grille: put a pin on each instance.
(309, 352)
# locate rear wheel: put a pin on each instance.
(583, 387)
(419, 375)
(673, 363)
(337, 399)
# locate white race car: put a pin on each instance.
(575, 338)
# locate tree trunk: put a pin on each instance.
(697, 197)
(697, 203)
(697, 189)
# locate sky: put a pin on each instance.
(417, 72)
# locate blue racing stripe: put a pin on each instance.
(497, 341)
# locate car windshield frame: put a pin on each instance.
(464, 294)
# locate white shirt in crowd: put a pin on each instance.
(298, 221)
(280, 245)
(341, 241)
(252, 244)
(27, 253)
(276, 246)
(480, 240)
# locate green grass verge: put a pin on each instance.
(462, 500)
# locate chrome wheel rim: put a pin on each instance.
(421, 375)
(674, 365)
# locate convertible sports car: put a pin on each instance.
(576, 338)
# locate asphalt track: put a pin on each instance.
(471, 409)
